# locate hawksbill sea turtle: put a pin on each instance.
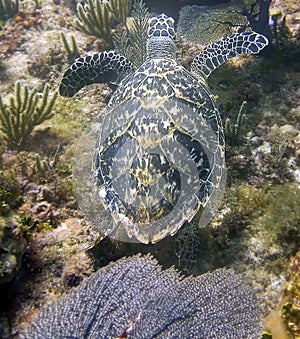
(159, 158)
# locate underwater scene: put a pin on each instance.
(150, 169)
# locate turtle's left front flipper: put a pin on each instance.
(217, 53)
(104, 67)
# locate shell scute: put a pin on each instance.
(159, 155)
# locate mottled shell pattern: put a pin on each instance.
(160, 154)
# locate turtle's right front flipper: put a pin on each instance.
(104, 67)
(216, 54)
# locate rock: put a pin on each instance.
(172, 7)
(12, 248)
(289, 129)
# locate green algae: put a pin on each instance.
(10, 192)
(271, 214)
(12, 246)
(290, 308)
(27, 224)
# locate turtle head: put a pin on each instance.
(161, 37)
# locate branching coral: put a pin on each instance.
(71, 49)
(233, 129)
(44, 166)
(97, 16)
(95, 19)
(120, 9)
(132, 43)
(24, 111)
(8, 8)
(135, 298)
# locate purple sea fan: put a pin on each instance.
(135, 298)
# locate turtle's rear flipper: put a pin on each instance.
(104, 67)
(217, 53)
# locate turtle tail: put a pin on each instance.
(104, 67)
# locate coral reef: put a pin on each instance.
(12, 248)
(267, 21)
(255, 231)
(258, 17)
(233, 130)
(275, 327)
(172, 7)
(272, 211)
(120, 9)
(132, 43)
(44, 166)
(284, 322)
(12, 243)
(25, 110)
(72, 50)
(96, 17)
(8, 8)
(134, 297)
(211, 22)
(204, 24)
(290, 308)
(55, 261)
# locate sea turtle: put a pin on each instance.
(159, 157)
